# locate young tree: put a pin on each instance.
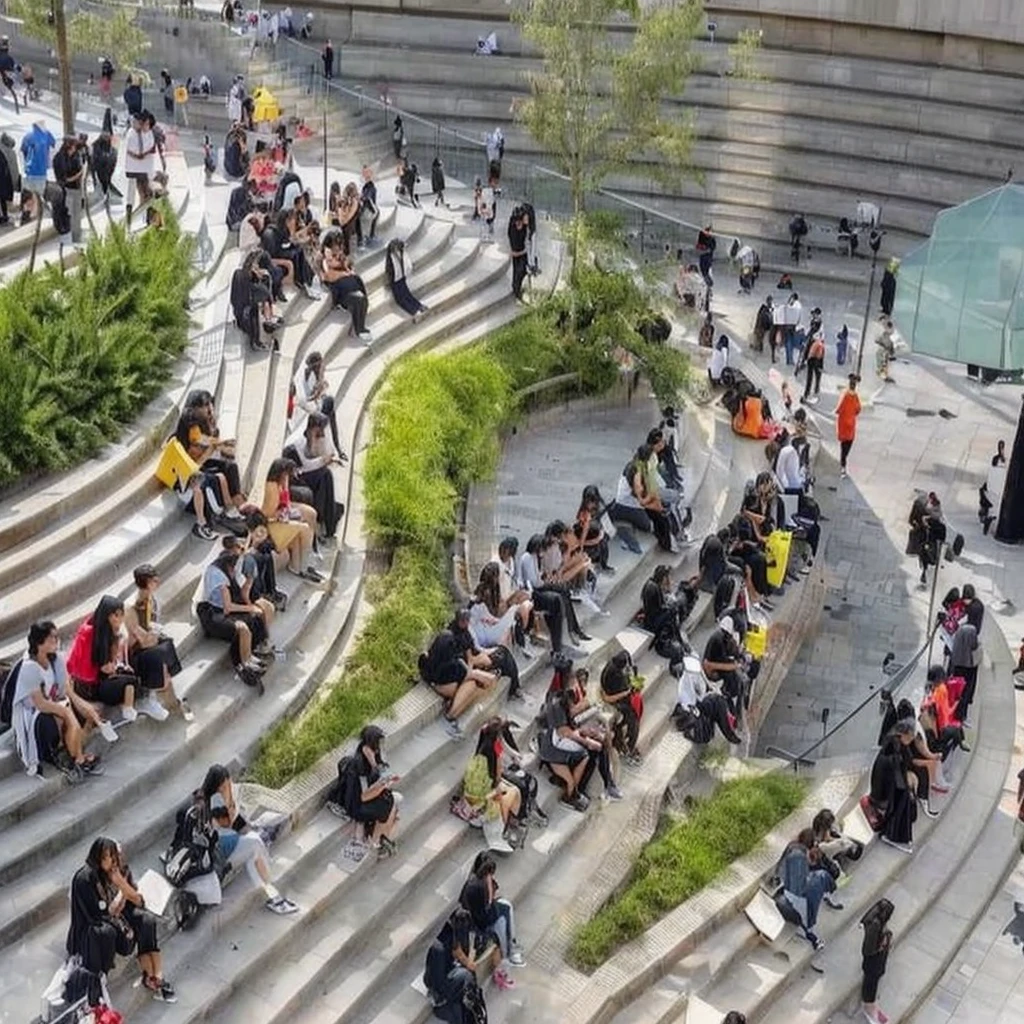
(112, 33)
(597, 104)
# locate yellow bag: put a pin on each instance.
(176, 466)
(777, 546)
(756, 640)
(180, 94)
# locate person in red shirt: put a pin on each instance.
(847, 412)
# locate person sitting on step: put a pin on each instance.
(457, 673)
(314, 453)
(151, 652)
(292, 525)
(617, 691)
(377, 804)
(586, 717)
(492, 918)
(51, 722)
(836, 851)
(492, 621)
(349, 291)
(565, 750)
(805, 883)
(98, 663)
(699, 709)
(237, 841)
(449, 975)
(143, 928)
(225, 615)
(724, 662)
(486, 790)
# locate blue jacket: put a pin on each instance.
(35, 148)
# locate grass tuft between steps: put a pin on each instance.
(436, 428)
(686, 856)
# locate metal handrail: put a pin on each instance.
(895, 681)
(359, 96)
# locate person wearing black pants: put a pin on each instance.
(698, 723)
(517, 232)
(963, 656)
(348, 291)
(815, 366)
(875, 956)
(617, 690)
(706, 254)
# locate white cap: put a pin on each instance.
(726, 623)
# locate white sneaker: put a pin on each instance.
(108, 732)
(366, 337)
(129, 714)
(153, 708)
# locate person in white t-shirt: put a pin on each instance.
(46, 714)
(139, 160)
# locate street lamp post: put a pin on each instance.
(875, 241)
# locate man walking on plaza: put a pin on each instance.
(328, 58)
(847, 412)
(517, 229)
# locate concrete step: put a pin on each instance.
(246, 732)
(788, 985)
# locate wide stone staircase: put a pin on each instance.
(812, 132)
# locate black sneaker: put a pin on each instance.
(203, 532)
(279, 600)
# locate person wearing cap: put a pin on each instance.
(35, 151)
(237, 842)
(151, 652)
(455, 671)
(724, 662)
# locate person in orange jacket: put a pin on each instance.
(847, 412)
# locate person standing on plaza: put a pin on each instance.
(328, 60)
(35, 151)
(69, 170)
(706, 244)
(847, 412)
(815, 365)
(885, 352)
(889, 286)
(517, 226)
(874, 956)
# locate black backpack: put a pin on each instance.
(193, 849)
(345, 790)
(7, 688)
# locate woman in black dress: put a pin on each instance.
(893, 785)
(874, 955)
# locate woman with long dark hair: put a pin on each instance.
(588, 529)
(397, 268)
(874, 957)
(95, 901)
(292, 524)
(376, 807)
(315, 453)
(98, 662)
(493, 621)
(893, 786)
(530, 574)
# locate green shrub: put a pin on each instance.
(411, 601)
(81, 353)
(435, 430)
(685, 857)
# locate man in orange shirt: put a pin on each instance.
(846, 420)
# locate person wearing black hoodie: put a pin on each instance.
(95, 902)
(437, 182)
(517, 231)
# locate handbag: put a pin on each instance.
(874, 816)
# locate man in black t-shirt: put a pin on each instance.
(724, 662)
(518, 225)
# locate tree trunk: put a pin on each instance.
(60, 28)
(39, 227)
